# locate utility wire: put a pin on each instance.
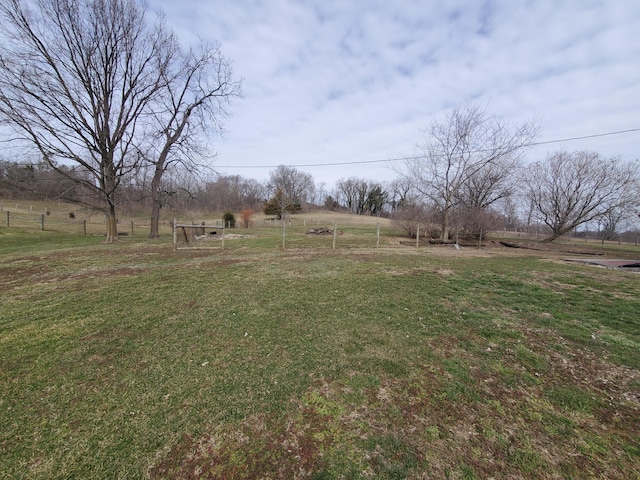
(399, 159)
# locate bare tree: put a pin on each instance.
(290, 187)
(348, 192)
(233, 193)
(494, 182)
(614, 220)
(197, 89)
(400, 190)
(459, 154)
(360, 196)
(75, 78)
(570, 189)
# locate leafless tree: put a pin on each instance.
(233, 193)
(614, 220)
(75, 78)
(462, 156)
(570, 189)
(290, 187)
(361, 196)
(347, 190)
(494, 182)
(197, 88)
(400, 190)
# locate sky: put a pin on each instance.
(339, 88)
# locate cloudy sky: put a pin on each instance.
(330, 82)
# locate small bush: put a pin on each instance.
(229, 220)
(246, 217)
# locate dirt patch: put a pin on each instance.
(568, 248)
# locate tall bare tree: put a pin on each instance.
(570, 189)
(76, 77)
(196, 91)
(458, 150)
(290, 187)
(400, 191)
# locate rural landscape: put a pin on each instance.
(471, 313)
(136, 360)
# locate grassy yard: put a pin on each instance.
(137, 361)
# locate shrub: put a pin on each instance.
(229, 220)
(246, 217)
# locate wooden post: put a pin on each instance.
(284, 233)
(84, 227)
(42, 222)
(7, 218)
(335, 233)
(222, 246)
(132, 228)
(175, 234)
(378, 235)
(479, 240)
(418, 236)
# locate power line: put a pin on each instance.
(619, 132)
(399, 159)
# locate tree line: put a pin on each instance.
(553, 196)
(119, 115)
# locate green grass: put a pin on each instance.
(137, 361)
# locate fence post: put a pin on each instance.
(132, 228)
(335, 233)
(284, 233)
(7, 218)
(84, 227)
(378, 235)
(175, 234)
(418, 236)
(222, 246)
(42, 222)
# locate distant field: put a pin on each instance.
(66, 217)
(138, 361)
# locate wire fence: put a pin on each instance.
(25, 217)
(308, 231)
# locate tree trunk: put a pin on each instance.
(112, 224)
(156, 204)
(445, 222)
(554, 236)
(155, 218)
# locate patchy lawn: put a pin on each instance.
(136, 361)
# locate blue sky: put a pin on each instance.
(359, 81)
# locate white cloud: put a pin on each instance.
(335, 81)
